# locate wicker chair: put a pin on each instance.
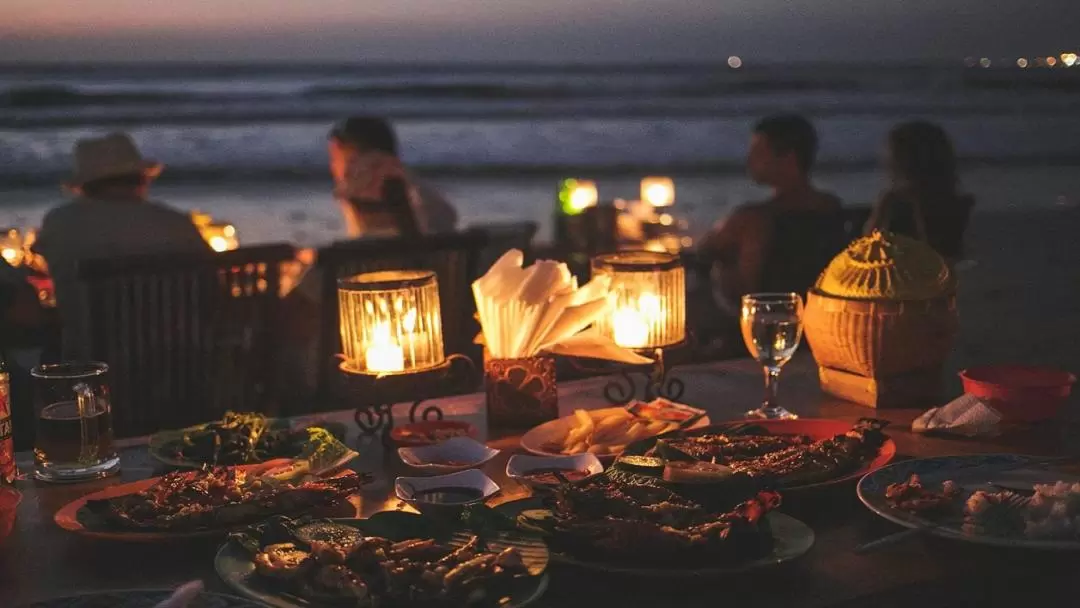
(186, 337)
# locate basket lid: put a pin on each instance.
(887, 266)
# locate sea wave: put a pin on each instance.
(531, 144)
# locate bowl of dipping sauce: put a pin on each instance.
(1021, 393)
(9, 505)
(547, 472)
(450, 455)
(431, 432)
(445, 493)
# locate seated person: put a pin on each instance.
(373, 187)
(782, 152)
(109, 217)
(923, 199)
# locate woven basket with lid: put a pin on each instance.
(885, 306)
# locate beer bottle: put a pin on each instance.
(8, 471)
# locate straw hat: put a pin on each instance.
(110, 156)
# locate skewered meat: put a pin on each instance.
(219, 497)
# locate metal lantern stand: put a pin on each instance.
(377, 394)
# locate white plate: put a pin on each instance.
(933, 471)
(521, 465)
(555, 430)
(469, 452)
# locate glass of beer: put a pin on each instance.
(74, 423)
(771, 327)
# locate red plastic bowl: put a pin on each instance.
(1021, 393)
(9, 504)
(422, 433)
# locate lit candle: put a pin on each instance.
(634, 324)
(658, 191)
(577, 195)
(631, 330)
(383, 354)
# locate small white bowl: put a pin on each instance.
(464, 451)
(408, 488)
(521, 465)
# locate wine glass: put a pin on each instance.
(771, 327)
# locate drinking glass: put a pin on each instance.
(771, 327)
(74, 439)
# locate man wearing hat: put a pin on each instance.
(109, 217)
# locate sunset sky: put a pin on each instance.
(536, 30)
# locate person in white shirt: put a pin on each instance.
(363, 162)
(110, 216)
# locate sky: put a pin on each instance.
(577, 31)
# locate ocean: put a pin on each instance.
(247, 142)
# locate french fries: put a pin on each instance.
(605, 432)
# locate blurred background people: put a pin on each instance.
(923, 199)
(782, 153)
(377, 195)
(109, 216)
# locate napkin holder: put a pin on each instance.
(521, 393)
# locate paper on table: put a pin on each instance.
(967, 415)
(592, 345)
(523, 311)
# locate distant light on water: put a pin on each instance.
(734, 62)
(984, 62)
(1021, 63)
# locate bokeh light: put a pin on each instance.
(984, 62)
(734, 62)
(1051, 61)
(1021, 63)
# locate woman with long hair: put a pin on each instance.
(923, 199)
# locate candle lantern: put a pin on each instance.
(658, 191)
(390, 322)
(650, 299)
(12, 247)
(221, 237)
(577, 195)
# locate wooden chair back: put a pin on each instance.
(186, 337)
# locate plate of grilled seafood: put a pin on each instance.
(789, 455)
(1008, 500)
(615, 524)
(205, 503)
(392, 558)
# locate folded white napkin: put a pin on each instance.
(540, 308)
(966, 415)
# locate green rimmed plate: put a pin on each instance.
(331, 452)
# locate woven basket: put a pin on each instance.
(879, 338)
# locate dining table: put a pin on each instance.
(40, 560)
